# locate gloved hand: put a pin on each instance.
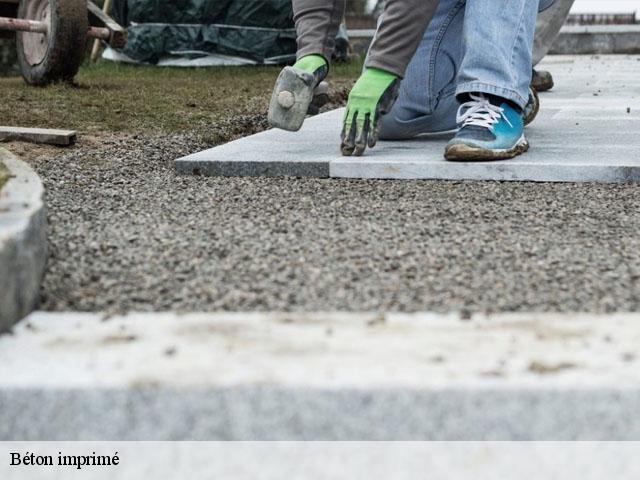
(314, 64)
(295, 91)
(318, 67)
(372, 96)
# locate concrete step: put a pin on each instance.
(320, 376)
(587, 131)
(597, 39)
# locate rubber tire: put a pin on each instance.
(67, 41)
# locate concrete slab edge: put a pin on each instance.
(23, 241)
(480, 171)
(266, 413)
(320, 376)
(38, 135)
(187, 166)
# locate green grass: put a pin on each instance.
(112, 97)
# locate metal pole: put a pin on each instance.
(22, 25)
(99, 33)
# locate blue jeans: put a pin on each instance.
(470, 46)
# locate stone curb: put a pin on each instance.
(597, 39)
(23, 248)
(320, 376)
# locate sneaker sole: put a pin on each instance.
(467, 153)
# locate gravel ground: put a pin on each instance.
(127, 234)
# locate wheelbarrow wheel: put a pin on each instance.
(57, 55)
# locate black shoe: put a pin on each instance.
(541, 80)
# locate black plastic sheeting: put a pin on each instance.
(262, 31)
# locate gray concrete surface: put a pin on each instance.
(586, 132)
(23, 248)
(251, 376)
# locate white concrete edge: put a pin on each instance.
(323, 351)
(22, 240)
(600, 29)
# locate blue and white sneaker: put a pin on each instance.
(487, 132)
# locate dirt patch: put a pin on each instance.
(117, 339)
(36, 152)
(235, 127)
(4, 175)
(114, 103)
(133, 99)
(542, 368)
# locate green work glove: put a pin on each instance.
(372, 96)
(317, 66)
(312, 64)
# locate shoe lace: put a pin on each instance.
(480, 112)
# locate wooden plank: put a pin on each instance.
(38, 135)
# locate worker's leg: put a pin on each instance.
(427, 102)
(494, 80)
(548, 27)
(498, 41)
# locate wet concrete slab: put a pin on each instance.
(588, 130)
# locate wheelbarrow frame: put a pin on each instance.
(99, 26)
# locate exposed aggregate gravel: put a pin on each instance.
(126, 233)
